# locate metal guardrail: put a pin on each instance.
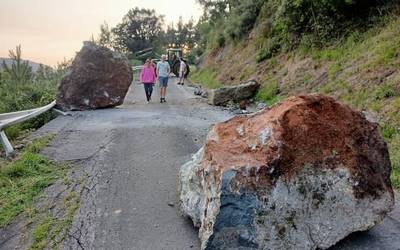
(136, 72)
(9, 119)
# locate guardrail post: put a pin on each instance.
(6, 144)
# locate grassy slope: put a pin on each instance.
(362, 71)
(22, 182)
(24, 179)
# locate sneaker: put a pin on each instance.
(161, 100)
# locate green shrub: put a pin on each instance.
(14, 132)
(385, 91)
(220, 40)
(242, 18)
(41, 232)
(206, 77)
(22, 180)
(38, 90)
(394, 151)
(311, 23)
(216, 40)
(326, 20)
(263, 54)
(388, 131)
(268, 93)
(272, 47)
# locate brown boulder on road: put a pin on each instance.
(97, 78)
(301, 175)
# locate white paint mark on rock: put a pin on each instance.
(240, 130)
(252, 146)
(265, 134)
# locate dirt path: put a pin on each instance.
(127, 159)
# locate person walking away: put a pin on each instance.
(182, 71)
(163, 71)
(147, 78)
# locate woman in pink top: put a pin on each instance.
(148, 77)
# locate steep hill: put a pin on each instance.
(361, 69)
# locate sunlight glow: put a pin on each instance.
(50, 30)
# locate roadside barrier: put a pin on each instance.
(9, 119)
(136, 73)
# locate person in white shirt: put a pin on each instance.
(182, 71)
(163, 71)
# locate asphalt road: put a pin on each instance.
(131, 157)
(128, 159)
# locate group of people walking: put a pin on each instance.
(152, 72)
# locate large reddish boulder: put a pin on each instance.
(97, 78)
(301, 175)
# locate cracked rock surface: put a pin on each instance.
(302, 175)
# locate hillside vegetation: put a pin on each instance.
(346, 49)
(22, 88)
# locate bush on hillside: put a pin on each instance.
(325, 19)
(243, 18)
(38, 89)
(286, 22)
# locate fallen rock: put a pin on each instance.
(371, 117)
(222, 96)
(97, 78)
(261, 105)
(301, 175)
(243, 105)
(200, 91)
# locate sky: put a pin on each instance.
(51, 30)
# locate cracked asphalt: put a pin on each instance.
(128, 158)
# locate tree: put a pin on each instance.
(139, 29)
(185, 35)
(44, 72)
(216, 9)
(105, 36)
(19, 70)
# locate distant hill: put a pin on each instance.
(8, 61)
